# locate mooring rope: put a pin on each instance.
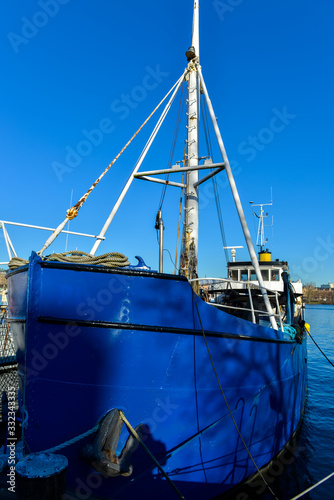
(131, 431)
(71, 441)
(312, 487)
(137, 437)
(322, 352)
(111, 259)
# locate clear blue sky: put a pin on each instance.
(70, 67)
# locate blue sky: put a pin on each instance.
(70, 68)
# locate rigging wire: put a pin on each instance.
(170, 159)
(175, 136)
(214, 180)
(179, 222)
(170, 256)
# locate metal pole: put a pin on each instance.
(251, 303)
(9, 240)
(49, 229)
(279, 311)
(137, 166)
(195, 35)
(6, 240)
(238, 205)
(161, 241)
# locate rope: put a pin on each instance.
(180, 210)
(170, 256)
(17, 262)
(227, 405)
(136, 436)
(72, 441)
(322, 352)
(73, 212)
(111, 259)
(314, 486)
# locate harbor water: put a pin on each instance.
(312, 456)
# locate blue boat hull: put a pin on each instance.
(90, 339)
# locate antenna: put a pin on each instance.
(233, 252)
(260, 240)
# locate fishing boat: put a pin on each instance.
(146, 388)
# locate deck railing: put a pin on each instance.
(249, 286)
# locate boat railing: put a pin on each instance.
(250, 286)
(9, 245)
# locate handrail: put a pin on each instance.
(251, 303)
(9, 243)
(248, 286)
(229, 280)
(215, 304)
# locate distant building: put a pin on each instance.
(329, 286)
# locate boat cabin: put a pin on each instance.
(240, 293)
(271, 271)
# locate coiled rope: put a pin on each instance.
(111, 259)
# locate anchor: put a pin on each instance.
(102, 453)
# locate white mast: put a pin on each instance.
(189, 254)
(195, 35)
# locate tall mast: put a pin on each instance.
(195, 35)
(189, 253)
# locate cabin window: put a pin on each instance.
(253, 276)
(274, 275)
(234, 275)
(244, 275)
(265, 274)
